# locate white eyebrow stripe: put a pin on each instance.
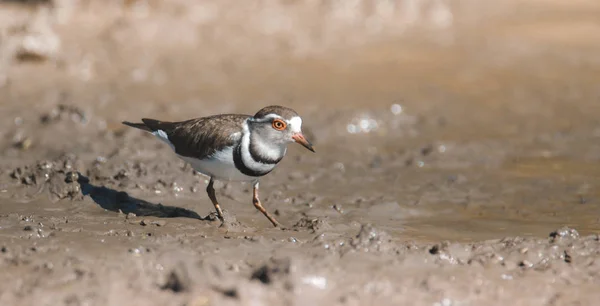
(266, 118)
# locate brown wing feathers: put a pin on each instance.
(196, 137)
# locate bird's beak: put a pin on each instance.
(299, 138)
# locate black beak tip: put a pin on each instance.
(304, 142)
(309, 146)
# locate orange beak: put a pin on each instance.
(299, 138)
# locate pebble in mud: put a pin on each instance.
(71, 177)
(159, 223)
(564, 233)
(139, 251)
(370, 238)
(312, 224)
(567, 257)
(451, 253)
(63, 186)
(338, 208)
(178, 280)
(23, 143)
(62, 112)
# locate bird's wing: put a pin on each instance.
(201, 137)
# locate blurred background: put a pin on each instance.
(394, 88)
(194, 57)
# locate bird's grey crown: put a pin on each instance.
(284, 112)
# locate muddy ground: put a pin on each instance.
(458, 149)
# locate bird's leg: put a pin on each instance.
(256, 202)
(211, 194)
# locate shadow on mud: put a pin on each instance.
(113, 200)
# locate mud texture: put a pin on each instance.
(458, 153)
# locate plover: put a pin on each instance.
(232, 147)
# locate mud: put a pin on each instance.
(457, 153)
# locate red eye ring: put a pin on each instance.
(279, 124)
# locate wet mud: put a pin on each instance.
(458, 153)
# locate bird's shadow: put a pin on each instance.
(116, 201)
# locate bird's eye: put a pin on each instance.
(279, 124)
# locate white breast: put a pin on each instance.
(219, 166)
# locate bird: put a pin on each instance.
(232, 147)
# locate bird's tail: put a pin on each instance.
(152, 125)
(141, 126)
